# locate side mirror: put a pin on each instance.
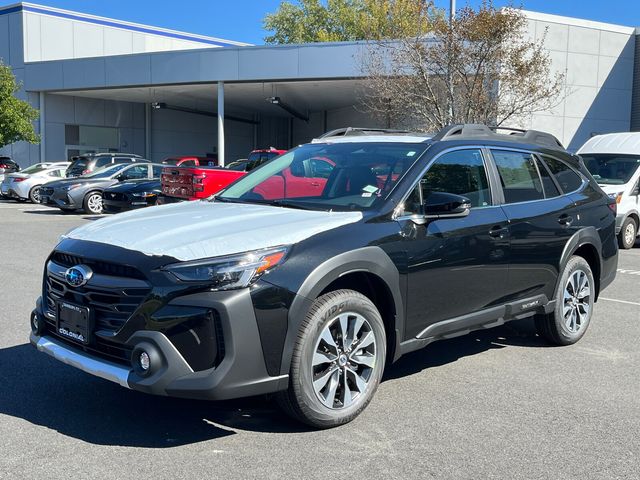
(443, 205)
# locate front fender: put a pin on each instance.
(367, 259)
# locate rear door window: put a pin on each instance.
(567, 178)
(519, 176)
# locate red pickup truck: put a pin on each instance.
(196, 182)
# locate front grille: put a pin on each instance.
(113, 294)
(115, 196)
(98, 266)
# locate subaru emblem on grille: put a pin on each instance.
(78, 276)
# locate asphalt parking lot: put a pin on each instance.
(494, 404)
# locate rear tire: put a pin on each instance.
(337, 361)
(628, 234)
(93, 203)
(575, 297)
(34, 194)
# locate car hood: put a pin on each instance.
(613, 189)
(136, 186)
(202, 229)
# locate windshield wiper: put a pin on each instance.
(285, 204)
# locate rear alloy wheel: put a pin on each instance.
(338, 361)
(34, 194)
(628, 234)
(93, 203)
(574, 305)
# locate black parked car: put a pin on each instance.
(309, 274)
(86, 164)
(130, 195)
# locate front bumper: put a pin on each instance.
(116, 206)
(61, 199)
(241, 372)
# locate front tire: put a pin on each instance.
(575, 297)
(337, 362)
(628, 234)
(93, 203)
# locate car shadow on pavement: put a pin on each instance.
(39, 389)
(521, 333)
(42, 391)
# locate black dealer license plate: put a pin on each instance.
(74, 322)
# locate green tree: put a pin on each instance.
(348, 20)
(16, 116)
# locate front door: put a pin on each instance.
(456, 266)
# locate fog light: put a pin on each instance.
(37, 324)
(144, 361)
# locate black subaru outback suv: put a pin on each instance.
(311, 273)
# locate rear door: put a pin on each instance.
(541, 221)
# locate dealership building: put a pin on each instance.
(107, 85)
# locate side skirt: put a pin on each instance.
(488, 318)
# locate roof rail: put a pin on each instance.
(353, 131)
(474, 130)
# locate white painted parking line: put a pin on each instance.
(626, 302)
(629, 272)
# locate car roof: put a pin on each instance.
(625, 143)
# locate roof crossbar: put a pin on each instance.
(354, 131)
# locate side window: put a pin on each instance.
(188, 163)
(122, 160)
(157, 171)
(56, 173)
(550, 188)
(320, 168)
(568, 180)
(519, 176)
(139, 171)
(460, 172)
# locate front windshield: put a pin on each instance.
(108, 171)
(332, 176)
(610, 169)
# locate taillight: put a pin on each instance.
(19, 179)
(613, 206)
(84, 172)
(198, 183)
(4, 165)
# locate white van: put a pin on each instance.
(614, 160)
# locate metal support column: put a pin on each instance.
(221, 124)
(42, 123)
(147, 131)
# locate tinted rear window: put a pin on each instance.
(568, 180)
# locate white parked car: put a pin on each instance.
(25, 185)
(614, 161)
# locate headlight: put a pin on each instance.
(143, 194)
(227, 273)
(616, 196)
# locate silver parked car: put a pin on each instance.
(26, 184)
(85, 192)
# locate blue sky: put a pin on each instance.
(242, 19)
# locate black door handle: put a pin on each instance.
(565, 219)
(498, 232)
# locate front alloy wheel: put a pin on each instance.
(337, 362)
(93, 203)
(343, 362)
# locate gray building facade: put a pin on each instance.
(106, 85)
